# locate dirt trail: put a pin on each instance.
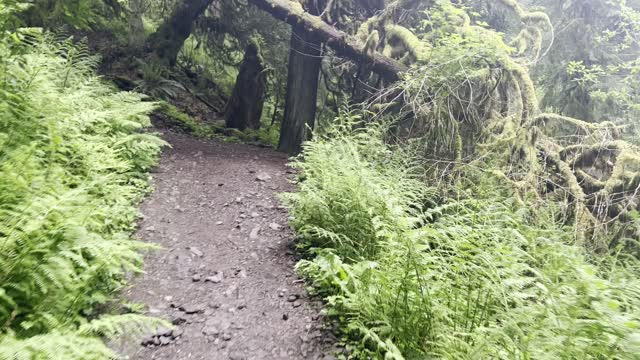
(225, 275)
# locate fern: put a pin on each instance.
(73, 165)
(476, 277)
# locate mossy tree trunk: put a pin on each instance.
(167, 41)
(302, 90)
(136, 26)
(244, 108)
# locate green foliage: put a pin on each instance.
(477, 277)
(155, 81)
(81, 14)
(179, 119)
(73, 165)
(345, 201)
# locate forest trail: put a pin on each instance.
(225, 276)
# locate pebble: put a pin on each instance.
(263, 177)
(217, 278)
(297, 304)
(196, 277)
(293, 298)
(195, 251)
(254, 233)
(164, 340)
(275, 226)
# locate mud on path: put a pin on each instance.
(225, 277)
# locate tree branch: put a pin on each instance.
(344, 45)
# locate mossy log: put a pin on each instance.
(343, 44)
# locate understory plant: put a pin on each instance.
(74, 161)
(409, 275)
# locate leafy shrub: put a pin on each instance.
(476, 277)
(73, 165)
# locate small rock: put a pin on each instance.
(237, 356)
(164, 340)
(233, 289)
(196, 278)
(293, 298)
(275, 226)
(226, 336)
(163, 331)
(150, 228)
(254, 233)
(195, 251)
(210, 329)
(168, 298)
(254, 214)
(148, 340)
(217, 278)
(242, 306)
(297, 304)
(263, 177)
(177, 333)
(219, 223)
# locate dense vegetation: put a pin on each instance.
(73, 163)
(471, 189)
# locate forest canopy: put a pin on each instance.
(468, 170)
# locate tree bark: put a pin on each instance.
(136, 26)
(344, 45)
(302, 90)
(167, 41)
(244, 109)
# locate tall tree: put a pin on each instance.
(305, 57)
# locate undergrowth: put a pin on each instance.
(177, 119)
(478, 276)
(74, 158)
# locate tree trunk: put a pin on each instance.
(136, 26)
(302, 90)
(244, 108)
(343, 44)
(167, 41)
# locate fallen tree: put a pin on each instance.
(344, 45)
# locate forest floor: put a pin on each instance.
(225, 274)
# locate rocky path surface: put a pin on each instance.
(225, 276)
